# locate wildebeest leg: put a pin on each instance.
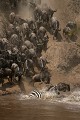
(41, 81)
(33, 70)
(48, 81)
(19, 78)
(27, 72)
(2, 82)
(10, 79)
(31, 82)
(66, 36)
(14, 78)
(68, 87)
(55, 34)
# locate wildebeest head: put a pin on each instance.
(63, 87)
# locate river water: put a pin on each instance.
(15, 107)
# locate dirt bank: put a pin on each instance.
(62, 53)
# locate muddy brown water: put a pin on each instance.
(12, 108)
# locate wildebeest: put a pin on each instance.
(44, 17)
(41, 32)
(28, 44)
(37, 13)
(25, 31)
(43, 14)
(32, 25)
(50, 12)
(5, 73)
(43, 76)
(67, 33)
(3, 44)
(28, 66)
(4, 63)
(59, 87)
(33, 38)
(70, 30)
(14, 40)
(54, 26)
(42, 63)
(16, 72)
(32, 54)
(72, 25)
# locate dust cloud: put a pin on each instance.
(48, 2)
(25, 11)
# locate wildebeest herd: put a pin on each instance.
(21, 48)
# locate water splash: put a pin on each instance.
(71, 98)
(23, 97)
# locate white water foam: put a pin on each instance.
(24, 97)
(72, 98)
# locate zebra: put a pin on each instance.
(35, 94)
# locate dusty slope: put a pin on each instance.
(64, 57)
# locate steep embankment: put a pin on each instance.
(64, 56)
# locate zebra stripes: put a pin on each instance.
(35, 94)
